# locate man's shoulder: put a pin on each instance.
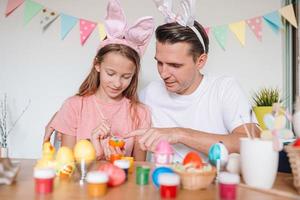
(220, 79)
(152, 90)
(154, 87)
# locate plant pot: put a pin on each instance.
(260, 112)
(3, 152)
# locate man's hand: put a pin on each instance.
(149, 138)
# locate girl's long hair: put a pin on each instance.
(92, 81)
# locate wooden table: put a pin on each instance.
(23, 188)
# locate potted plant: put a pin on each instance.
(263, 101)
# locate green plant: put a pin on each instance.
(266, 97)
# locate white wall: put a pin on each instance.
(41, 67)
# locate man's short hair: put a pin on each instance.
(173, 32)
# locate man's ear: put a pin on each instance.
(97, 67)
(201, 61)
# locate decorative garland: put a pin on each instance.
(272, 19)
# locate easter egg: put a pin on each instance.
(116, 175)
(116, 142)
(48, 151)
(84, 150)
(64, 155)
(217, 152)
(297, 143)
(193, 158)
(157, 172)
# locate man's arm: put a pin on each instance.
(198, 140)
(202, 141)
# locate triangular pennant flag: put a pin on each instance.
(48, 16)
(255, 24)
(31, 9)
(220, 33)
(67, 23)
(288, 13)
(238, 29)
(86, 28)
(273, 19)
(207, 30)
(102, 33)
(12, 5)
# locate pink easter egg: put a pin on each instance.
(116, 175)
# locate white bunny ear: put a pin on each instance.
(165, 7)
(140, 33)
(115, 21)
(186, 16)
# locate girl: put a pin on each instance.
(107, 102)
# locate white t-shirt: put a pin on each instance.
(216, 106)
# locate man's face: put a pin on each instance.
(177, 68)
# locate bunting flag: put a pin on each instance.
(288, 13)
(255, 24)
(31, 9)
(12, 5)
(207, 30)
(239, 29)
(67, 23)
(102, 33)
(48, 16)
(274, 21)
(86, 28)
(220, 33)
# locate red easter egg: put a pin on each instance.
(194, 158)
(116, 175)
(297, 143)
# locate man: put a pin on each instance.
(189, 109)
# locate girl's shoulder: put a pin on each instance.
(75, 102)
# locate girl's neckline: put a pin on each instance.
(100, 101)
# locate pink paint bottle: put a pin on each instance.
(163, 153)
(228, 183)
(44, 180)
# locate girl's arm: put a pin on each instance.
(68, 140)
(138, 153)
(98, 146)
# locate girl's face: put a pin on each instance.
(116, 72)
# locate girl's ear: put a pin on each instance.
(97, 67)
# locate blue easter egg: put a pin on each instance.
(216, 152)
(157, 171)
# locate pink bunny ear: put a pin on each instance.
(140, 33)
(115, 21)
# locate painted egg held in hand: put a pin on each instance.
(116, 142)
(193, 158)
(116, 175)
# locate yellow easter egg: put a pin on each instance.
(64, 155)
(48, 151)
(84, 150)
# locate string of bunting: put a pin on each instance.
(48, 16)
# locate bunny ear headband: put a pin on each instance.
(137, 36)
(185, 17)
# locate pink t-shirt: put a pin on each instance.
(79, 116)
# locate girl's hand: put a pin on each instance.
(102, 130)
(109, 150)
